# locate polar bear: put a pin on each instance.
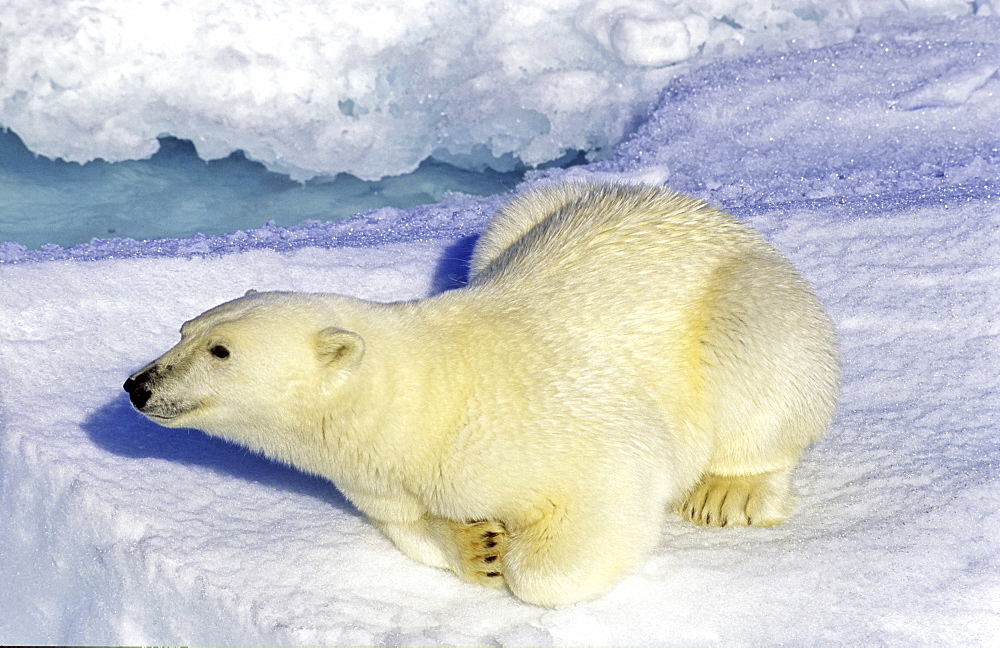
(619, 352)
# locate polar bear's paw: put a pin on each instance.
(481, 547)
(757, 500)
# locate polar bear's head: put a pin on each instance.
(249, 367)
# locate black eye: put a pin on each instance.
(219, 351)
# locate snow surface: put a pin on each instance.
(874, 164)
(318, 88)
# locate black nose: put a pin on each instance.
(138, 389)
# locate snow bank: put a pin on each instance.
(314, 87)
(874, 164)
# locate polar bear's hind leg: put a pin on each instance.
(757, 500)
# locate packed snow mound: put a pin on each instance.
(865, 124)
(318, 88)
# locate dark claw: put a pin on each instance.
(492, 574)
(490, 559)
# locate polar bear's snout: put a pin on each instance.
(139, 387)
(152, 391)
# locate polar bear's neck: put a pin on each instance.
(403, 403)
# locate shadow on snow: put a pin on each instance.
(453, 269)
(119, 429)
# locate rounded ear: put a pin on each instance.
(250, 292)
(336, 347)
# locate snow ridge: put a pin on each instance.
(320, 88)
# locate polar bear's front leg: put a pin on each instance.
(417, 540)
(404, 521)
(473, 550)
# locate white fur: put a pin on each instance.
(619, 351)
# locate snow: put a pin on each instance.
(874, 163)
(319, 88)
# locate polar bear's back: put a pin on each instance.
(707, 311)
(562, 229)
